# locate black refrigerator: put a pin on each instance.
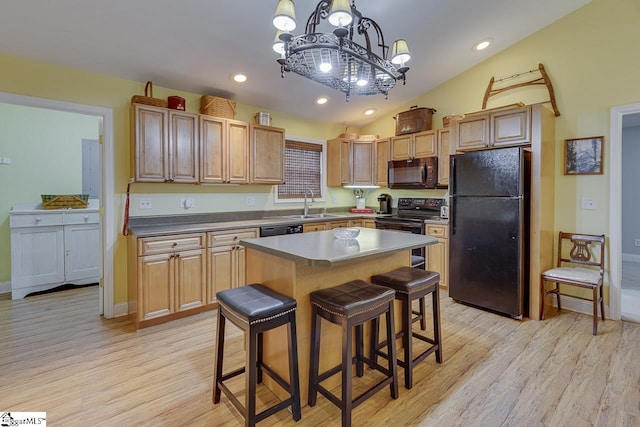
(488, 230)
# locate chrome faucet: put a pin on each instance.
(306, 206)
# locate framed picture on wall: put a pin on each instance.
(583, 156)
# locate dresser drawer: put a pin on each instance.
(35, 220)
(231, 237)
(437, 231)
(82, 218)
(168, 244)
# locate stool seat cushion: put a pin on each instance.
(352, 298)
(255, 303)
(407, 279)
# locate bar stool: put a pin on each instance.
(256, 309)
(351, 305)
(412, 284)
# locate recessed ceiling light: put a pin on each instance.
(322, 100)
(370, 111)
(239, 78)
(483, 44)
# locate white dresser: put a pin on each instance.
(53, 247)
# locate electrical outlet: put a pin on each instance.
(636, 242)
(145, 204)
(334, 199)
(187, 202)
(251, 201)
(586, 203)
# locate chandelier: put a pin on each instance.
(334, 59)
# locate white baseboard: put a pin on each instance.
(579, 306)
(5, 287)
(121, 309)
(631, 257)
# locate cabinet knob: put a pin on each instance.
(38, 219)
(86, 217)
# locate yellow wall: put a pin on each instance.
(593, 58)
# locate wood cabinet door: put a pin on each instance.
(238, 152)
(512, 127)
(345, 162)
(401, 147)
(436, 260)
(219, 270)
(472, 133)
(362, 163)
(381, 163)
(356, 222)
(184, 152)
(155, 286)
(443, 156)
(267, 155)
(151, 143)
(212, 151)
(239, 266)
(189, 279)
(424, 144)
(82, 252)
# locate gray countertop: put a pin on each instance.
(179, 224)
(321, 248)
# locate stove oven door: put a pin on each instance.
(417, 255)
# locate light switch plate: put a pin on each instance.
(587, 203)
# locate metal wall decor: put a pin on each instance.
(334, 59)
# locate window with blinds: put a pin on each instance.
(303, 170)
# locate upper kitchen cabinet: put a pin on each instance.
(414, 145)
(350, 162)
(165, 145)
(493, 129)
(267, 155)
(224, 144)
(443, 156)
(382, 160)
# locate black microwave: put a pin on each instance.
(414, 173)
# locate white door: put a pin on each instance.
(37, 256)
(82, 252)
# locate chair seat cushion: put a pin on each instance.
(255, 302)
(573, 274)
(408, 279)
(352, 298)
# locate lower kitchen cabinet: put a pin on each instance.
(369, 223)
(167, 280)
(226, 260)
(437, 255)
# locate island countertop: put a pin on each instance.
(322, 249)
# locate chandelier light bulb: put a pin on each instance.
(285, 17)
(400, 52)
(325, 67)
(340, 13)
(278, 45)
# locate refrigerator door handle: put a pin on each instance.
(452, 173)
(452, 214)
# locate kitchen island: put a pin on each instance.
(297, 264)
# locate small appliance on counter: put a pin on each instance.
(385, 204)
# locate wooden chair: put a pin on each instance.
(577, 267)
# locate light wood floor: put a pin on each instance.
(58, 356)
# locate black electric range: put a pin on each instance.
(411, 215)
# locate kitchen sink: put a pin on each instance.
(313, 216)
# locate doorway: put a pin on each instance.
(108, 233)
(624, 291)
(630, 278)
